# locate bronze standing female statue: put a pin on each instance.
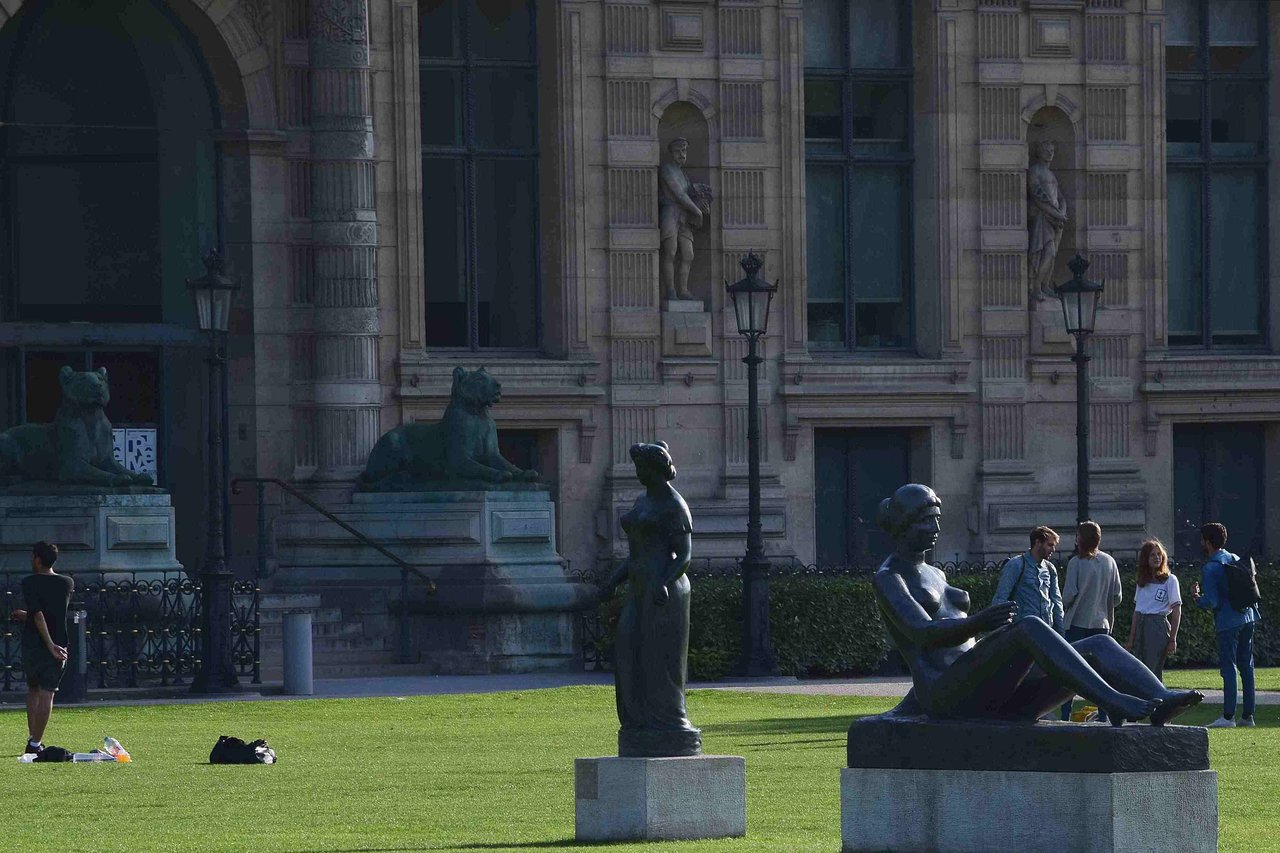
(652, 648)
(1021, 669)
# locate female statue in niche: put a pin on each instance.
(682, 205)
(652, 647)
(1018, 671)
(1048, 217)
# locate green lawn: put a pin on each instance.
(1267, 678)
(487, 772)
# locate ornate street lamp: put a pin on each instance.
(212, 293)
(1080, 299)
(751, 300)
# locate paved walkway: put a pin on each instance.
(438, 685)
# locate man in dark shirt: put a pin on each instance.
(44, 637)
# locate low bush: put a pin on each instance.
(826, 624)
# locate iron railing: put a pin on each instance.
(143, 628)
(264, 544)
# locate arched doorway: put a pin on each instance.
(109, 189)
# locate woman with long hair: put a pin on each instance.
(1157, 609)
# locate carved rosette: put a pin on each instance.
(347, 394)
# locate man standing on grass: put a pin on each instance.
(1091, 592)
(44, 637)
(1234, 627)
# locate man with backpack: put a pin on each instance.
(1230, 590)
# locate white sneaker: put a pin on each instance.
(1222, 723)
(1246, 722)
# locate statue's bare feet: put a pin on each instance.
(1177, 703)
(684, 294)
(1129, 708)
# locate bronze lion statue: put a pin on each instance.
(461, 451)
(76, 448)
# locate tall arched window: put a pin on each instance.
(479, 80)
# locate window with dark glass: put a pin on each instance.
(1215, 149)
(857, 127)
(479, 106)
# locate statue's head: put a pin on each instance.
(87, 389)
(653, 462)
(1045, 150)
(913, 517)
(678, 148)
(475, 389)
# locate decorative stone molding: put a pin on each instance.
(626, 29)
(740, 31)
(682, 28)
(1104, 37)
(572, 169)
(948, 146)
(1051, 36)
(406, 100)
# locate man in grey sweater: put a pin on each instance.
(1091, 592)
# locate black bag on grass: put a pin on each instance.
(53, 753)
(232, 750)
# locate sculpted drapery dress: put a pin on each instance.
(653, 640)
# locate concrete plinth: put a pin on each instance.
(107, 532)
(504, 603)
(648, 799)
(994, 810)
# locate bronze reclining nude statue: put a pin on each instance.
(1021, 668)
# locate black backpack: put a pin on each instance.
(1242, 584)
(53, 753)
(232, 750)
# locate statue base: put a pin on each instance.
(651, 799)
(126, 530)
(919, 784)
(659, 744)
(504, 601)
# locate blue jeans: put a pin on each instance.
(1075, 635)
(1235, 651)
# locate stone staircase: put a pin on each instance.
(349, 639)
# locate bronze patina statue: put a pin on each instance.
(1021, 669)
(652, 651)
(460, 453)
(76, 449)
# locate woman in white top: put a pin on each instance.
(1157, 609)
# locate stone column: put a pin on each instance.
(347, 392)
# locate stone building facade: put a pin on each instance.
(407, 187)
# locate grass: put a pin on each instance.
(466, 773)
(1267, 678)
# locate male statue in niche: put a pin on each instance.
(1046, 220)
(682, 205)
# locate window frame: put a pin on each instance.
(469, 153)
(848, 161)
(1204, 165)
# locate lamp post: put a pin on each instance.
(1080, 299)
(212, 293)
(751, 299)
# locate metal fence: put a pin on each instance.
(143, 628)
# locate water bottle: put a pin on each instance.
(112, 747)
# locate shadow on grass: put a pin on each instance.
(837, 724)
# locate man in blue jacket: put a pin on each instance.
(1234, 627)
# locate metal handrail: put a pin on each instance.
(405, 568)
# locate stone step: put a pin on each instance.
(322, 648)
(323, 614)
(318, 629)
(275, 674)
(289, 600)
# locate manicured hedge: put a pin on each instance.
(826, 624)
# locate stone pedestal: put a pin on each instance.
(686, 328)
(915, 784)
(650, 799)
(505, 602)
(94, 531)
